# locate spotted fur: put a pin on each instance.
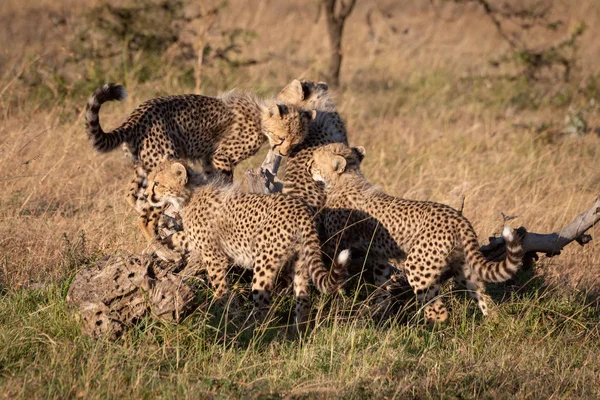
(327, 127)
(223, 226)
(428, 238)
(219, 131)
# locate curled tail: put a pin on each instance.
(327, 281)
(104, 141)
(495, 271)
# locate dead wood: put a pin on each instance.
(118, 291)
(264, 178)
(551, 244)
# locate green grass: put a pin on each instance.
(540, 344)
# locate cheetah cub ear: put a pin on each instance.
(310, 114)
(360, 152)
(323, 86)
(275, 111)
(293, 92)
(339, 164)
(180, 173)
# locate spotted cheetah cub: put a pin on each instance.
(326, 128)
(261, 232)
(432, 237)
(219, 131)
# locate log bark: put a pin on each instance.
(551, 244)
(264, 178)
(118, 291)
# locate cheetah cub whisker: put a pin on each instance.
(433, 237)
(223, 226)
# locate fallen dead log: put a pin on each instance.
(551, 244)
(118, 291)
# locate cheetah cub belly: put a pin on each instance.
(219, 131)
(256, 231)
(433, 237)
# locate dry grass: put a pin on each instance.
(436, 126)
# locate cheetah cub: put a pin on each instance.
(219, 131)
(432, 237)
(327, 127)
(261, 232)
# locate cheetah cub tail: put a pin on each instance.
(501, 271)
(100, 140)
(338, 273)
(326, 280)
(343, 258)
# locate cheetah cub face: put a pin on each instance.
(168, 184)
(286, 127)
(330, 162)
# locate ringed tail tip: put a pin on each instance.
(507, 233)
(114, 91)
(344, 257)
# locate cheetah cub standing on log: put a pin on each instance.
(261, 232)
(433, 237)
(219, 131)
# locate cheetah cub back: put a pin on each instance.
(433, 237)
(256, 231)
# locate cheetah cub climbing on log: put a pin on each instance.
(432, 237)
(219, 131)
(261, 232)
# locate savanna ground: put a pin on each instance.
(439, 122)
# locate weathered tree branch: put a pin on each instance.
(117, 291)
(264, 178)
(551, 244)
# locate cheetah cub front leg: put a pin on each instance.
(150, 218)
(148, 224)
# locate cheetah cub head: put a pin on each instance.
(286, 126)
(172, 183)
(307, 95)
(330, 162)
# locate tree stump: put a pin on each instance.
(118, 291)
